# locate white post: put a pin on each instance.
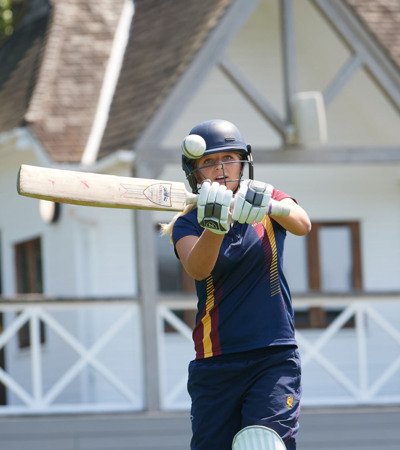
(362, 351)
(36, 357)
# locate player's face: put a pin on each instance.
(224, 168)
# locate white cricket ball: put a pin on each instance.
(193, 146)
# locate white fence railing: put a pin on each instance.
(86, 356)
(81, 356)
(354, 360)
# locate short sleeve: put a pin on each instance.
(280, 195)
(186, 225)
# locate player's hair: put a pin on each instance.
(166, 228)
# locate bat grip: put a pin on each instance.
(275, 208)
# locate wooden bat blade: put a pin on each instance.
(109, 191)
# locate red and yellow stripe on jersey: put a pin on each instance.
(207, 329)
(269, 247)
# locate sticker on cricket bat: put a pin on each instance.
(158, 193)
(109, 191)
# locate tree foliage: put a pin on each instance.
(6, 19)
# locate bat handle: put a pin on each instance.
(276, 208)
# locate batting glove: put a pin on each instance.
(252, 201)
(213, 207)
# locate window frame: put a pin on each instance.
(318, 317)
(313, 254)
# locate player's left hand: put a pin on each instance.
(251, 201)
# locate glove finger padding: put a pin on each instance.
(213, 207)
(255, 211)
(202, 199)
(252, 201)
(224, 214)
(241, 210)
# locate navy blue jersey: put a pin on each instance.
(245, 303)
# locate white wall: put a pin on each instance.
(88, 252)
(359, 115)
(365, 193)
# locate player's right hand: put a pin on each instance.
(213, 207)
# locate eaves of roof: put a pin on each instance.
(165, 38)
(65, 97)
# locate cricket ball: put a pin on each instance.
(193, 146)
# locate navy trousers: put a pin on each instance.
(230, 392)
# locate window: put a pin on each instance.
(334, 257)
(28, 260)
(328, 260)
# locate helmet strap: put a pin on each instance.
(250, 160)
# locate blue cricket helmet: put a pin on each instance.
(220, 136)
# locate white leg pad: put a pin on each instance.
(257, 437)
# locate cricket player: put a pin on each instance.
(247, 369)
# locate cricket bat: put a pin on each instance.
(109, 191)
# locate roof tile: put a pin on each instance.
(382, 19)
(65, 99)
